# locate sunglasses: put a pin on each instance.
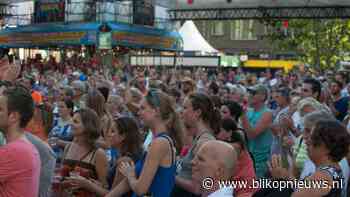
(153, 97)
(305, 90)
(253, 92)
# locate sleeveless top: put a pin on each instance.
(112, 170)
(259, 146)
(338, 180)
(185, 166)
(164, 180)
(85, 169)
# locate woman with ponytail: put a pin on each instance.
(203, 120)
(154, 174)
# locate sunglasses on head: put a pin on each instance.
(253, 92)
(153, 97)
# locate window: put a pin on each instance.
(218, 28)
(243, 30)
(204, 28)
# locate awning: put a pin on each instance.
(285, 64)
(145, 37)
(49, 35)
(77, 34)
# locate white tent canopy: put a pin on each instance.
(193, 40)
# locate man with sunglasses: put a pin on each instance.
(256, 123)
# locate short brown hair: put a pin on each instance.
(334, 136)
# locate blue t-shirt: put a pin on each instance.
(62, 130)
(341, 106)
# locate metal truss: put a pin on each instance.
(261, 13)
(4, 12)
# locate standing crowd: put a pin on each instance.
(162, 133)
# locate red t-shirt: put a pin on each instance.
(19, 169)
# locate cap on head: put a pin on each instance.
(259, 89)
(37, 98)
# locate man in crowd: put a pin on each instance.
(215, 161)
(47, 157)
(19, 161)
(338, 104)
(311, 88)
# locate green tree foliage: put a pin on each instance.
(320, 43)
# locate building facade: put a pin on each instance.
(237, 36)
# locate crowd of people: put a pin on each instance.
(162, 132)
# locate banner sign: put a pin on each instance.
(49, 11)
(40, 39)
(153, 41)
(46, 35)
(143, 12)
(105, 40)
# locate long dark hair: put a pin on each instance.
(209, 112)
(133, 141)
(230, 125)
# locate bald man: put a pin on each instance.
(214, 161)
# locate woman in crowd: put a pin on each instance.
(310, 120)
(61, 133)
(325, 148)
(124, 136)
(81, 157)
(116, 107)
(203, 121)
(96, 101)
(155, 172)
(231, 109)
(244, 170)
(305, 106)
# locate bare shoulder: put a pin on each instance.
(100, 155)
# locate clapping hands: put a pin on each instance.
(127, 169)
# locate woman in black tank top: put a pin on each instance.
(82, 161)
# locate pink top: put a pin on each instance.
(185, 150)
(19, 169)
(244, 171)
